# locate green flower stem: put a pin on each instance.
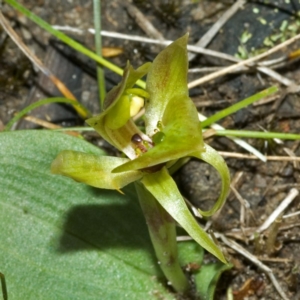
(258, 134)
(162, 231)
(39, 103)
(238, 106)
(98, 44)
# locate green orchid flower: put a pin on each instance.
(172, 133)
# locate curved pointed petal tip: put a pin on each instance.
(212, 157)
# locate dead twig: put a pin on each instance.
(238, 141)
(247, 62)
(244, 205)
(37, 62)
(209, 35)
(249, 156)
(261, 67)
(235, 246)
(190, 48)
(142, 21)
(279, 210)
(14, 36)
(275, 259)
(41, 122)
(266, 100)
(296, 213)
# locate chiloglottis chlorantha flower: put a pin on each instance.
(172, 133)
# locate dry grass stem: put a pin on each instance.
(296, 213)
(137, 38)
(193, 208)
(289, 226)
(266, 100)
(209, 35)
(183, 238)
(208, 133)
(14, 36)
(235, 246)
(283, 187)
(267, 71)
(191, 48)
(242, 201)
(249, 156)
(280, 169)
(195, 49)
(200, 103)
(247, 62)
(273, 74)
(244, 204)
(242, 233)
(235, 182)
(274, 259)
(279, 210)
(272, 63)
(292, 154)
(41, 122)
(142, 21)
(37, 62)
(204, 70)
(203, 51)
(238, 141)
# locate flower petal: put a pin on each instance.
(93, 170)
(164, 189)
(117, 110)
(166, 79)
(122, 138)
(181, 134)
(170, 113)
(130, 77)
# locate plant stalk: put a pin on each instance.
(98, 44)
(162, 231)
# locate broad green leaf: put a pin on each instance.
(164, 189)
(205, 276)
(65, 240)
(212, 157)
(206, 279)
(166, 79)
(93, 170)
